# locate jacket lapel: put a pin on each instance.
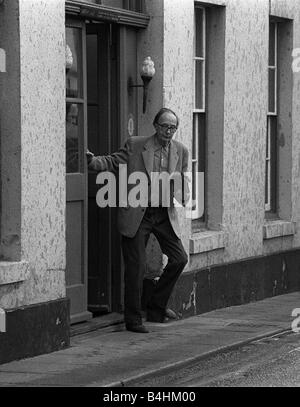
(173, 157)
(148, 155)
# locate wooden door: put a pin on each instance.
(104, 248)
(76, 170)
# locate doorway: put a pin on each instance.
(104, 244)
(101, 115)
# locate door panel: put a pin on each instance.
(99, 107)
(74, 244)
(76, 172)
(101, 140)
(111, 60)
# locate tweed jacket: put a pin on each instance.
(138, 154)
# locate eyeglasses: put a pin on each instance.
(167, 127)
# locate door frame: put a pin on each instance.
(100, 296)
(78, 292)
(131, 20)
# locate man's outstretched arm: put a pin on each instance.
(109, 162)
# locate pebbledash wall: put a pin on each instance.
(32, 249)
(241, 257)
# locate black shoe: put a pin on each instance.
(157, 319)
(171, 314)
(154, 317)
(140, 328)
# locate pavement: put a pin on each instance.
(113, 357)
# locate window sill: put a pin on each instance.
(278, 228)
(13, 272)
(207, 241)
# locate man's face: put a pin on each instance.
(166, 128)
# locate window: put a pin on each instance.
(199, 115)
(271, 134)
(133, 5)
(75, 103)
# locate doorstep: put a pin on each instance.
(93, 324)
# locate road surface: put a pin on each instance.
(273, 361)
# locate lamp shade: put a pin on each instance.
(69, 57)
(148, 69)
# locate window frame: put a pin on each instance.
(100, 12)
(199, 114)
(81, 99)
(271, 158)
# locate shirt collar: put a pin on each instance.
(158, 146)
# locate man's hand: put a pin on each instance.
(89, 156)
(180, 186)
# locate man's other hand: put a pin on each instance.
(89, 156)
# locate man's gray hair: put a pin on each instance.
(161, 112)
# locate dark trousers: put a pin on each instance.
(156, 221)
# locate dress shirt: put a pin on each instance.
(160, 164)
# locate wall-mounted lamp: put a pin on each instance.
(147, 73)
(69, 58)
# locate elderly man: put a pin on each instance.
(150, 155)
